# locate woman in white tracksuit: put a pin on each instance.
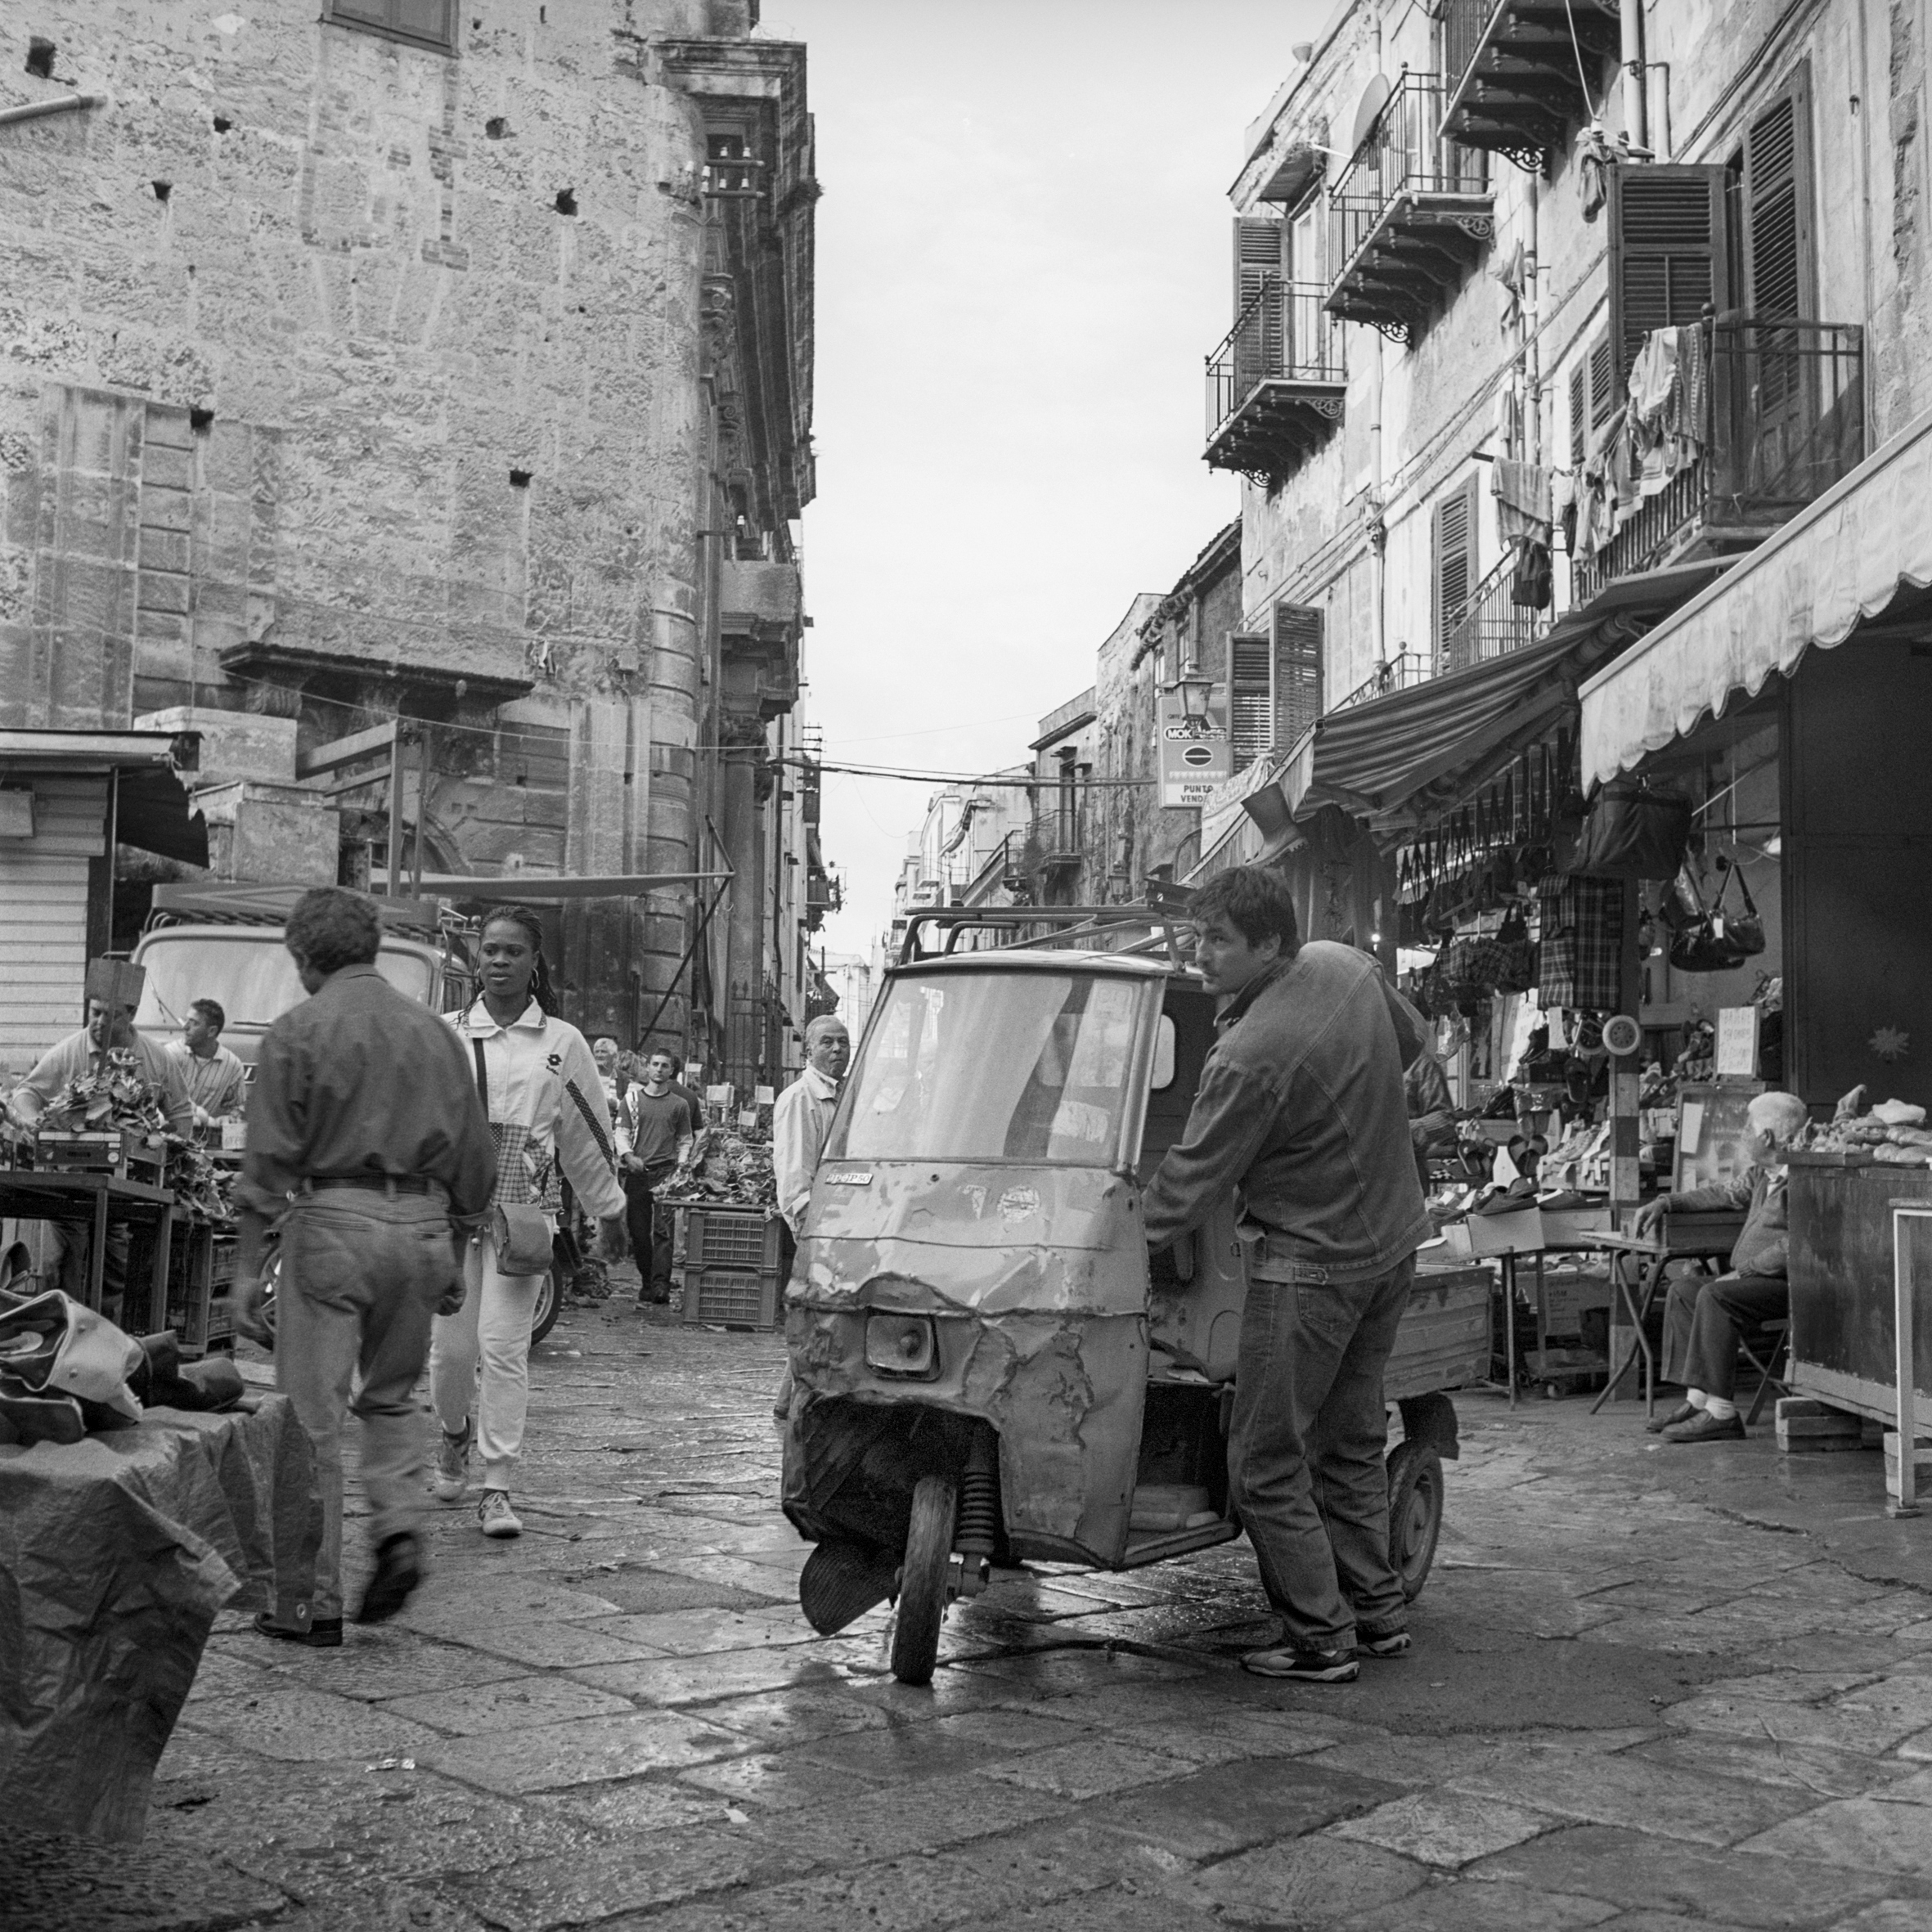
(549, 1120)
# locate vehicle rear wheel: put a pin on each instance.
(922, 1582)
(1415, 1513)
(550, 1299)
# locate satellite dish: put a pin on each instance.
(1375, 97)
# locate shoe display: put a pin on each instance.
(323, 1633)
(397, 1572)
(1304, 1667)
(1392, 1643)
(451, 1477)
(1707, 1428)
(1682, 1413)
(494, 1515)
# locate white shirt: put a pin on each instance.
(799, 1123)
(620, 1114)
(546, 1109)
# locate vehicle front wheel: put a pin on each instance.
(922, 1582)
(1415, 1513)
(550, 1299)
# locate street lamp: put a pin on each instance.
(1194, 688)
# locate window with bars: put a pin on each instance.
(421, 23)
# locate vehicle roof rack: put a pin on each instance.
(212, 905)
(1159, 916)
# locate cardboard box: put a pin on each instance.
(1518, 1233)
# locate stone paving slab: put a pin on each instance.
(586, 1752)
(1448, 1829)
(508, 1704)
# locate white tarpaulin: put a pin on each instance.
(1841, 560)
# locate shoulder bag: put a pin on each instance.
(519, 1233)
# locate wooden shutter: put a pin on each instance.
(1667, 259)
(1454, 555)
(1258, 346)
(1297, 671)
(1580, 413)
(1778, 254)
(1257, 255)
(1592, 398)
(1251, 695)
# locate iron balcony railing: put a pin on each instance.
(1405, 668)
(1283, 334)
(1781, 418)
(1466, 24)
(1492, 623)
(1400, 154)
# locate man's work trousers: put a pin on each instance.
(1703, 1319)
(362, 1274)
(492, 1326)
(1304, 1453)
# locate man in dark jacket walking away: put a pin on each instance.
(1301, 1107)
(368, 1147)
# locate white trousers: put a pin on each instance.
(491, 1330)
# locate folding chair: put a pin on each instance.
(1778, 1334)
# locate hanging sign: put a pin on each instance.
(1737, 1043)
(1196, 753)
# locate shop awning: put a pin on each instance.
(1395, 759)
(1843, 560)
(153, 811)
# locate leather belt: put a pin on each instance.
(374, 1183)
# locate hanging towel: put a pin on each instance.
(1510, 274)
(1594, 161)
(1523, 505)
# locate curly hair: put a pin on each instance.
(332, 928)
(540, 989)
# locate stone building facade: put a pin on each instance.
(440, 367)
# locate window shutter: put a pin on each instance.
(1455, 559)
(1257, 255)
(1258, 347)
(1603, 384)
(1778, 256)
(1251, 696)
(1667, 254)
(1297, 671)
(1580, 413)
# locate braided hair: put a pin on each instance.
(540, 989)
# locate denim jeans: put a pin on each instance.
(361, 1274)
(1304, 1453)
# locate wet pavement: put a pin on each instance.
(1651, 1686)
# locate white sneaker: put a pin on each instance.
(494, 1515)
(451, 1477)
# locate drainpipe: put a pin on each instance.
(1636, 75)
(1532, 361)
(1378, 528)
(36, 110)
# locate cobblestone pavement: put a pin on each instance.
(1650, 1687)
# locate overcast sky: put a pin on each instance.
(1022, 260)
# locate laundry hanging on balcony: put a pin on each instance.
(1669, 405)
(1523, 519)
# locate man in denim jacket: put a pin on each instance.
(1301, 1106)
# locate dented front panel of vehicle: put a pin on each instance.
(1035, 1279)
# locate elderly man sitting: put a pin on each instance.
(1704, 1318)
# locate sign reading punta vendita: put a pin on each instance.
(1197, 754)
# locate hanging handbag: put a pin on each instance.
(1746, 932)
(1705, 944)
(1632, 832)
(520, 1233)
(1515, 960)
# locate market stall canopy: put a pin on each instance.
(1863, 549)
(1395, 760)
(153, 809)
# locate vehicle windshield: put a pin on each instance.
(1007, 1066)
(248, 973)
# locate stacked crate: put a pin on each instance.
(731, 1267)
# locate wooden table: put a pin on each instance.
(96, 1201)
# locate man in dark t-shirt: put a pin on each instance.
(662, 1124)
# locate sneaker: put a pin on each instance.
(451, 1476)
(1708, 1428)
(494, 1515)
(323, 1633)
(1392, 1643)
(1682, 1413)
(1304, 1667)
(397, 1572)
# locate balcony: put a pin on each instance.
(1516, 78)
(1492, 624)
(1402, 670)
(1783, 420)
(1409, 216)
(1276, 384)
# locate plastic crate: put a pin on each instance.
(732, 1297)
(743, 1239)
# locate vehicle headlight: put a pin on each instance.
(901, 1343)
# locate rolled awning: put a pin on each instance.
(1840, 561)
(1421, 750)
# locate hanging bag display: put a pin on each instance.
(1516, 957)
(519, 1233)
(1705, 944)
(1746, 931)
(1632, 832)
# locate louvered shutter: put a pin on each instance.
(1251, 696)
(1257, 264)
(1580, 413)
(1667, 254)
(1455, 552)
(1297, 671)
(1778, 254)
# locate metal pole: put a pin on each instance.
(35, 110)
(422, 810)
(392, 860)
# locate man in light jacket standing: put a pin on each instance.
(1302, 1108)
(799, 1124)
